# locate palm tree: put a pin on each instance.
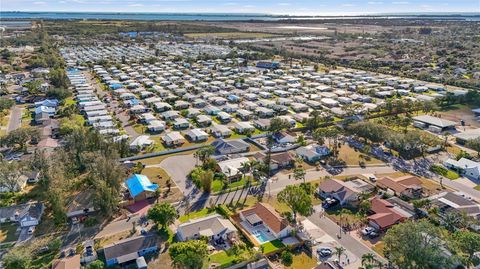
(368, 259)
(339, 251)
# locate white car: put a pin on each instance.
(367, 231)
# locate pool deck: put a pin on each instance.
(258, 229)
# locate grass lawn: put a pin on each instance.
(27, 117)
(217, 185)
(477, 188)
(302, 261)
(196, 214)
(452, 175)
(379, 248)
(157, 175)
(280, 207)
(349, 216)
(354, 157)
(7, 232)
(222, 259)
(139, 128)
(272, 246)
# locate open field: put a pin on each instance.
(229, 35)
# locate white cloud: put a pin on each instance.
(401, 3)
(284, 4)
(39, 3)
(348, 5)
(136, 5)
(375, 3)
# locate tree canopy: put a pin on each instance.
(188, 255)
(163, 214)
(297, 199)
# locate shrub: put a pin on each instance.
(287, 258)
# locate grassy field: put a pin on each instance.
(272, 246)
(7, 232)
(477, 188)
(156, 175)
(196, 214)
(354, 157)
(230, 35)
(302, 261)
(222, 259)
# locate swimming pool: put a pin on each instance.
(261, 237)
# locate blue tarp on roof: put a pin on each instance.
(115, 86)
(137, 184)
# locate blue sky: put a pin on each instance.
(292, 7)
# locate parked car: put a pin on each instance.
(373, 234)
(31, 229)
(324, 252)
(329, 202)
(368, 230)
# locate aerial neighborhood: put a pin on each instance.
(146, 144)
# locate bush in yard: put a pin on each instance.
(287, 258)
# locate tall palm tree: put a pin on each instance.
(339, 251)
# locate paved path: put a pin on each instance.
(15, 119)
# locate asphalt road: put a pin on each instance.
(15, 119)
(347, 241)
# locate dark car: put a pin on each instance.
(324, 252)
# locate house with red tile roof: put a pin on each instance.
(385, 214)
(264, 223)
(408, 186)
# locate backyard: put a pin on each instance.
(272, 246)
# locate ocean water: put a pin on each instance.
(220, 16)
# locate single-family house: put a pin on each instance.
(203, 120)
(406, 186)
(312, 153)
(231, 168)
(224, 117)
(464, 166)
(213, 227)
(140, 187)
(181, 123)
(243, 127)
(385, 214)
(339, 190)
(141, 142)
(196, 135)
(129, 249)
(284, 138)
(219, 130)
(173, 139)
(432, 123)
(81, 204)
(26, 215)
(224, 147)
(277, 161)
(264, 223)
(455, 202)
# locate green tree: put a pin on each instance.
(468, 243)
(188, 255)
(163, 214)
(10, 174)
(415, 245)
(97, 264)
(17, 258)
(206, 179)
(204, 153)
(286, 257)
(297, 199)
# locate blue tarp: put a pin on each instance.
(137, 184)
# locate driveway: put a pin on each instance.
(15, 119)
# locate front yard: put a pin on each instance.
(302, 261)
